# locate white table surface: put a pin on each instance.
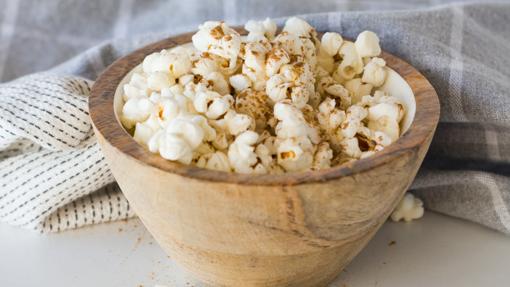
(434, 251)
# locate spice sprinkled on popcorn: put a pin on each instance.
(265, 103)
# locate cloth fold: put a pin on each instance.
(53, 176)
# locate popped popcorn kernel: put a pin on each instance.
(408, 209)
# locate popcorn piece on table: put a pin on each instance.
(408, 209)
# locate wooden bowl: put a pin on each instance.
(298, 229)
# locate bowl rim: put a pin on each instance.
(108, 128)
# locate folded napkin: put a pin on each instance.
(53, 176)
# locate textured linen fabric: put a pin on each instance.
(45, 137)
(52, 173)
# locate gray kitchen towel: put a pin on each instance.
(53, 176)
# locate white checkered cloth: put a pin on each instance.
(53, 176)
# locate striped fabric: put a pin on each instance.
(53, 176)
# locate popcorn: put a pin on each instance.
(386, 125)
(350, 147)
(254, 104)
(209, 133)
(159, 80)
(176, 62)
(205, 65)
(193, 86)
(276, 58)
(264, 103)
(137, 87)
(365, 141)
(374, 72)
(292, 123)
(167, 109)
(295, 80)
(408, 209)
(210, 103)
(277, 88)
(385, 117)
(221, 141)
(179, 138)
(218, 83)
(171, 147)
(265, 152)
(136, 110)
(351, 64)
(357, 89)
(145, 130)
(309, 53)
(215, 161)
(330, 117)
(325, 61)
(254, 64)
(322, 157)
(260, 29)
(219, 39)
(299, 96)
(174, 103)
(298, 27)
(331, 43)
(240, 82)
(352, 122)
(241, 154)
(385, 109)
(237, 123)
(295, 154)
(367, 44)
(330, 87)
(290, 43)
(381, 139)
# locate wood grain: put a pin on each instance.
(297, 229)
